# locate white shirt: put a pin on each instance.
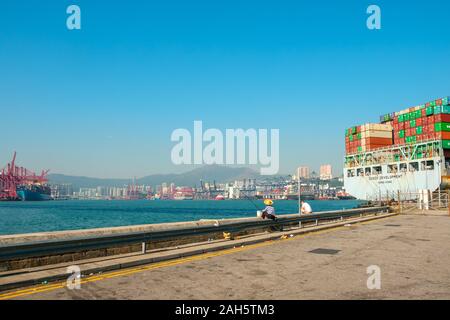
(306, 208)
(269, 210)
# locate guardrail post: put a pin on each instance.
(300, 224)
(448, 202)
(439, 197)
(144, 248)
(317, 222)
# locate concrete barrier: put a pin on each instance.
(252, 225)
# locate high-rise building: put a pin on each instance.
(303, 172)
(326, 172)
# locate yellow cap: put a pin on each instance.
(268, 202)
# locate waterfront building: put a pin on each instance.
(326, 172)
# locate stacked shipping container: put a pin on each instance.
(425, 122)
(368, 137)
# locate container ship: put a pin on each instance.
(19, 183)
(34, 192)
(405, 153)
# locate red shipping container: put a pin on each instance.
(441, 117)
(401, 126)
(407, 125)
(424, 113)
(419, 122)
(396, 127)
(395, 120)
(432, 120)
(408, 132)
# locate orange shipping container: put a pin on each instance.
(374, 147)
(378, 141)
(443, 135)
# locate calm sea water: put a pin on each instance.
(27, 217)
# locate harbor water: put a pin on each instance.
(28, 217)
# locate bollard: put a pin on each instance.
(144, 249)
(317, 222)
(300, 224)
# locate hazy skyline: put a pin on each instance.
(103, 101)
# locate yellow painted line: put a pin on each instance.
(162, 264)
(125, 272)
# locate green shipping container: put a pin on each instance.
(401, 118)
(408, 139)
(445, 109)
(406, 117)
(401, 133)
(418, 114)
(429, 111)
(437, 109)
(412, 123)
(412, 115)
(433, 103)
(419, 130)
(419, 155)
(445, 101)
(413, 139)
(353, 130)
(359, 149)
(351, 138)
(358, 136)
(442, 126)
(446, 144)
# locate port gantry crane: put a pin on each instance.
(12, 176)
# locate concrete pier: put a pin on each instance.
(411, 252)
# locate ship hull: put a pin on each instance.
(34, 194)
(383, 186)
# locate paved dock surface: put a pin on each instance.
(411, 251)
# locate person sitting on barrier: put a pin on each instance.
(306, 208)
(269, 210)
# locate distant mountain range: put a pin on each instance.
(220, 174)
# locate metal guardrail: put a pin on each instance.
(57, 247)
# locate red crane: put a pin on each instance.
(13, 176)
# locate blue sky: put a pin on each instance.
(102, 101)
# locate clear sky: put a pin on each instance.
(103, 101)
